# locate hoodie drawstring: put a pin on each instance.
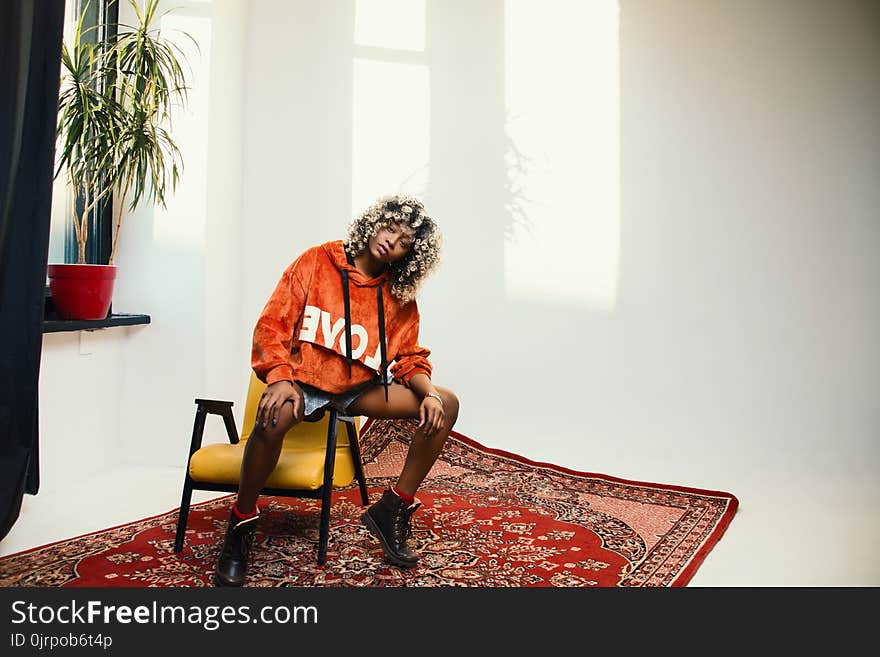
(347, 301)
(383, 366)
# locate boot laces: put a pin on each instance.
(402, 525)
(239, 544)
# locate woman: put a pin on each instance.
(342, 329)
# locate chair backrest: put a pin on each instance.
(311, 432)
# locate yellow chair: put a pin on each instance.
(315, 458)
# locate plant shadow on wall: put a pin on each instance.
(516, 203)
(118, 87)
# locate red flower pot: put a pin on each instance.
(82, 291)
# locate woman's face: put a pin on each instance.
(391, 243)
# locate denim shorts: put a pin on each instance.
(317, 401)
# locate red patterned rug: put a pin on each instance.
(489, 519)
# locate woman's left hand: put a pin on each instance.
(430, 416)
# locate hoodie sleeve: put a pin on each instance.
(411, 358)
(273, 334)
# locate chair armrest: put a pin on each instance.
(215, 406)
(205, 407)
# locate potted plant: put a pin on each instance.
(114, 134)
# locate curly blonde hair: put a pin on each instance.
(408, 273)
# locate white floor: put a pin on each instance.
(793, 534)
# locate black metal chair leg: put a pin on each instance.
(183, 514)
(356, 457)
(324, 531)
(327, 490)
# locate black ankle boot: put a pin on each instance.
(389, 520)
(233, 561)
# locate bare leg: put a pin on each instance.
(404, 403)
(261, 453)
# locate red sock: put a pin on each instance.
(240, 515)
(409, 499)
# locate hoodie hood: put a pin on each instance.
(340, 258)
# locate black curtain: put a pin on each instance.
(30, 61)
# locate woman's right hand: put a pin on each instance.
(274, 397)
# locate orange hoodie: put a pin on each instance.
(321, 299)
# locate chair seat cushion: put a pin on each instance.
(300, 466)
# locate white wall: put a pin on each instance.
(80, 379)
(750, 229)
(745, 295)
(734, 332)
